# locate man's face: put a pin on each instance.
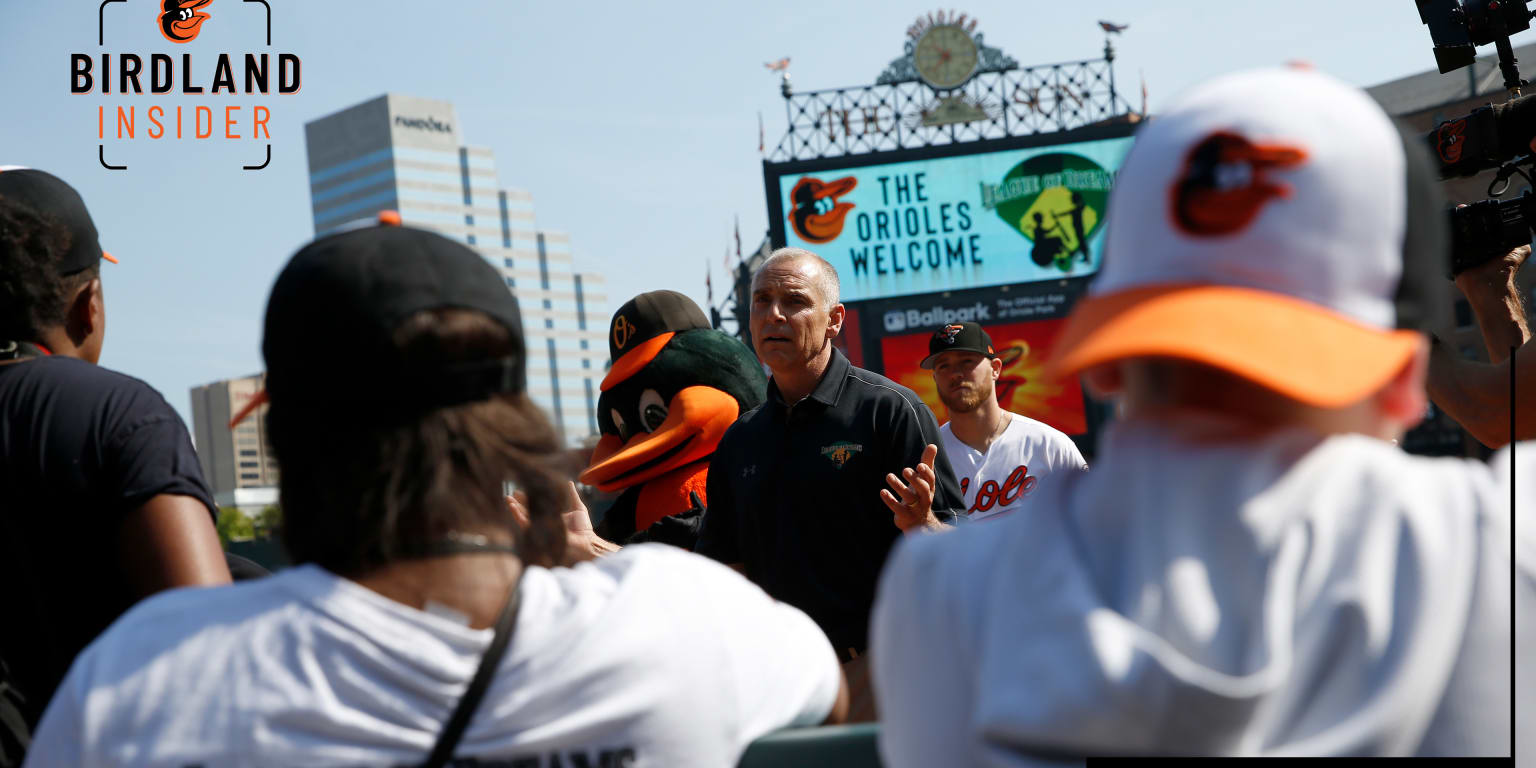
(790, 322)
(965, 379)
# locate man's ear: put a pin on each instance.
(835, 320)
(1404, 398)
(87, 312)
(997, 367)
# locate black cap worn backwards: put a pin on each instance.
(963, 337)
(48, 194)
(649, 315)
(336, 305)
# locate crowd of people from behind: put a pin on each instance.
(1252, 566)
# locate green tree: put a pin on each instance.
(269, 520)
(233, 525)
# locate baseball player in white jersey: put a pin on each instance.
(999, 457)
(1252, 567)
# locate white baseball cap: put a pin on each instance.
(1277, 225)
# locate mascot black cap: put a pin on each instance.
(643, 326)
(335, 308)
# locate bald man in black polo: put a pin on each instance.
(804, 492)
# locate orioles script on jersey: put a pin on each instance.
(989, 493)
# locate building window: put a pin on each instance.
(585, 363)
(250, 476)
(247, 452)
(250, 465)
(584, 344)
(543, 263)
(548, 323)
(581, 309)
(1463, 313)
(591, 408)
(548, 305)
(554, 384)
(469, 218)
(507, 261)
(506, 226)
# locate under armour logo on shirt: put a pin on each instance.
(749, 471)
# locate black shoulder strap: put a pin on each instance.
(448, 740)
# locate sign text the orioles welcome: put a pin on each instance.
(162, 76)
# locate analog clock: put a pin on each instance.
(945, 56)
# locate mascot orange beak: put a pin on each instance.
(696, 419)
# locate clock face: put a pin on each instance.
(945, 56)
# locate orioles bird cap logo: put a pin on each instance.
(1226, 183)
(623, 331)
(817, 216)
(950, 332)
(180, 20)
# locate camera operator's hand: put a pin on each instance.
(1495, 298)
(1475, 394)
(1495, 273)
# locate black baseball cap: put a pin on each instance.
(49, 194)
(961, 337)
(335, 307)
(643, 326)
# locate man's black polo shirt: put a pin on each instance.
(794, 493)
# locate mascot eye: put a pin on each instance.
(618, 422)
(652, 410)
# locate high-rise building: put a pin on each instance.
(237, 462)
(405, 154)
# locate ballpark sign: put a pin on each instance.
(969, 221)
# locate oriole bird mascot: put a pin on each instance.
(673, 388)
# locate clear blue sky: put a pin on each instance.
(634, 126)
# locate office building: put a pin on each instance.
(406, 154)
(237, 463)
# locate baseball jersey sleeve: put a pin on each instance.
(719, 529)
(1065, 455)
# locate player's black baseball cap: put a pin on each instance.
(958, 337)
(335, 308)
(643, 326)
(50, 195)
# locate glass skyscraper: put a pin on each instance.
(405, 154)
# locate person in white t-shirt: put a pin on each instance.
(395, 440)
(1252, 567)
(999, 457)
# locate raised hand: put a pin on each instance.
(911, 504)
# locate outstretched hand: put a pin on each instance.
(912, 503)
(581, 540)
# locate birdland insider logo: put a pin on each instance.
(180, 19)
(1057, 202)
(131, 74)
